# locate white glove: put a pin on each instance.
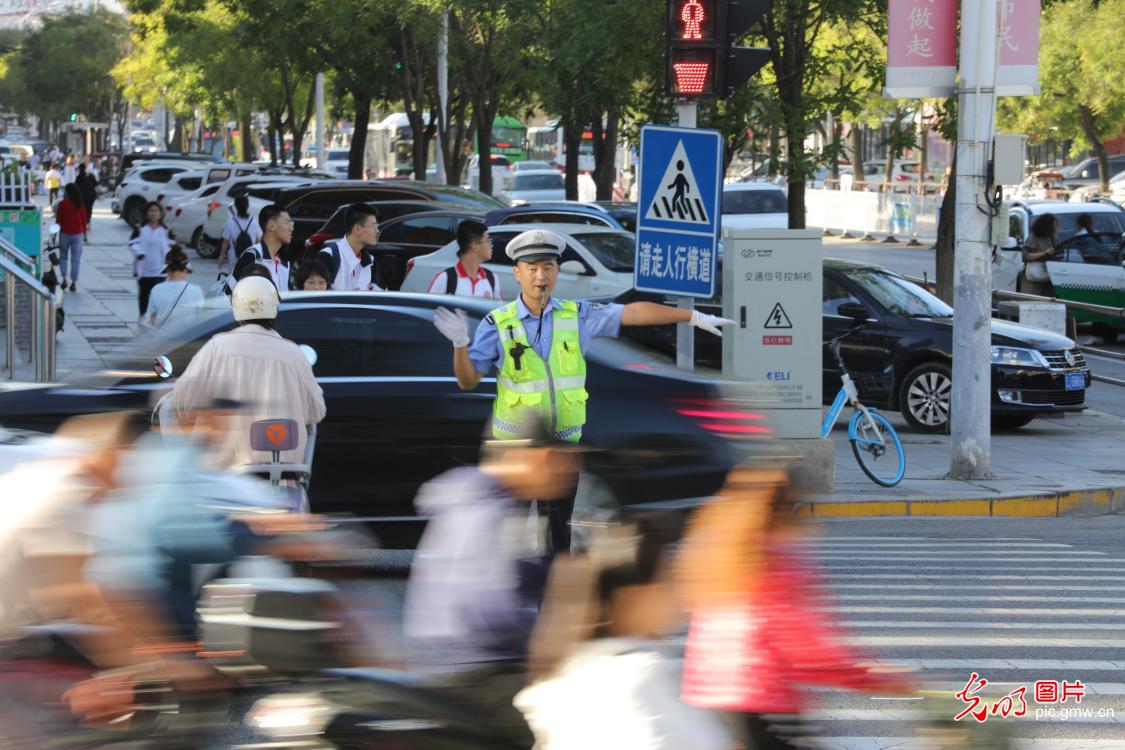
(709, 323)
(453, 325)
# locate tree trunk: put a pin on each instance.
(856, 156)
(605, 145)
(945, 238)
(483, 116)
(775, 150)
(572, 142)
(358, 149)
(1090, 130)
(272, 134)
(245, 125)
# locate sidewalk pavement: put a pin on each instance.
(1052, 467)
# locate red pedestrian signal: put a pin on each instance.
(701, 58)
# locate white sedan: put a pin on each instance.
(754, 205)
(597, 262)
(533, 185)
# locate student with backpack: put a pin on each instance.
(349, 259)
(469, 278)
(276, 232)
(240, 232)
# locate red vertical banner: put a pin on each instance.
(1018, 39)
(921, 48)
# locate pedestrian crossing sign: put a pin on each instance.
(680, 186)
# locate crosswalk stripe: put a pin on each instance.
(917, 743)
(940, 598)
(977, 540)
(962, 625)
(1070, 612)
(901, 641)
(1069, 666)
(944, 577)
(832, 544)
(956, 570)
(973, 587)
(905, 557)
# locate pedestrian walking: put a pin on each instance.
(149, 243)
(759, 629)
(276, 232)
(70, 171)
(349, 259)
(177, 300)
(88, 187)
(73, 220)
(239, 233)
(1039, 248)
(469, 277)
(53, 181)
(537, 344)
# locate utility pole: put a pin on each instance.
(320, 121)
(970, 397)
(686, 110)
(442, 92)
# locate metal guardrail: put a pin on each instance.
(1117, 312)
(42, 343)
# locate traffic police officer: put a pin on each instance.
(538, 343)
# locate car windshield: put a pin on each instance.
(754, 202)
(1108, 222)
(899, 296)
(337, 154)
(538, 182)
(615, 251)
(526, 165)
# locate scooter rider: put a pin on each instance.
(538, 345)
(253, 365)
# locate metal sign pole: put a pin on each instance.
(686, 111)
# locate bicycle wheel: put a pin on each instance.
(877, 449)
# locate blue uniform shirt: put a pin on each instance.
(594, 321)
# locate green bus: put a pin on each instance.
(509, 137)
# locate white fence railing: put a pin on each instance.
(16, 189)
(903, 216)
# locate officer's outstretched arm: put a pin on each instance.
(652, 314)
(467, 376)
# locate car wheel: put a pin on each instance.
(195, 237)
(134, 212)
(1010, 421)
(206, 247)
(923, 397)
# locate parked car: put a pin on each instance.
(336, 162)
(597, 262)
(500, 165)
(223, 198)
(142, 186)
(407, 237)
(565, 212)
(624, 211)
(754, 205)
(534, 185)
(259, 194)
(1091, 268)
(902, 171)
(1089, 171)
(185, 214)
(1094, 192)
(311, 204)
(901, 359)
(1008, 261)
(128, 161)
(396, 418)
(179, 186)
(334, 227)
(524, 166)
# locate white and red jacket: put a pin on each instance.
(456, 280)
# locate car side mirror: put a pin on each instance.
(853, 310)
(573, 267)
(162, 366)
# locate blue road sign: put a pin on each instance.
(678, 211)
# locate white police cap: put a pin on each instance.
(535, 244)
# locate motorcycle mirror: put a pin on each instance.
(54, 229)
(162, 366)
(309, 352)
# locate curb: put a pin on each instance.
(1090, 503)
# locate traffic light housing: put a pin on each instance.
(700, 57)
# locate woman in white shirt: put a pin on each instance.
(240, 224)
(175, 301)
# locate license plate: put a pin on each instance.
(1075, 381)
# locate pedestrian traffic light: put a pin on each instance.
(74, 117)
(701, 59)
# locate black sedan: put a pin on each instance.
(902, 356)
(396, 417)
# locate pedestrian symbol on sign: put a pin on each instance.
(777, 318)
(678, 198)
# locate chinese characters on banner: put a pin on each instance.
(921, 48)
(1018, 27)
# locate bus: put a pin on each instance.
(390, 148)
(509, 138)
(547, 143)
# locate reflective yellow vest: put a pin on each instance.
(556, 389)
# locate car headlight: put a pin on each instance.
(293, 715)
(1015, 355)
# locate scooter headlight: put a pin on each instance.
(292, 715)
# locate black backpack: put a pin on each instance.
(451, 279)
(242, 242)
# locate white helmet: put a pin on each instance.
(254, 298)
